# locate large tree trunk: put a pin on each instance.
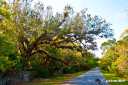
(24, 68)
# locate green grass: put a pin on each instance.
(54, 80)
(112, 76)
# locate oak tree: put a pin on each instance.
(36, 31)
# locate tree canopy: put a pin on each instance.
(115, 58)
(37, 34)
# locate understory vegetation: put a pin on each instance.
(111, 77)
(54, 80)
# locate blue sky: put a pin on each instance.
(112, 11)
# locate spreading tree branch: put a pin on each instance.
(41, 51)
(36, 42)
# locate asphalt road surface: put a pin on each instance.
(88, 78)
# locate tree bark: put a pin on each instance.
(24, 68)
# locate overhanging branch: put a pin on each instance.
(37, 40)
(41, 51)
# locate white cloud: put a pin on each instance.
(120, 15)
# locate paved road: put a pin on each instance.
(88, 78)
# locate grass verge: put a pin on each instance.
(112, 76)
(54, 80)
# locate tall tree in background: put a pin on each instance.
(4, 12)
(115, 58)
(106, 45)
(36, 31)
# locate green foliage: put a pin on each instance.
(3, 64)
(106, 45)
(68, 69)
(115, 59)
(5, 47)
(113, 76)
(7, 64)
(41, 73)
(5, 50)
(9, 61)
(30, 33)
(120, 67)
(3, 10)
(19, 60)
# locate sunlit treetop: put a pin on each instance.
(34, 30)
(4, 12)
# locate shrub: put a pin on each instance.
(68, 70)
(41, 73)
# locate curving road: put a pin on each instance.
(88, 78)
